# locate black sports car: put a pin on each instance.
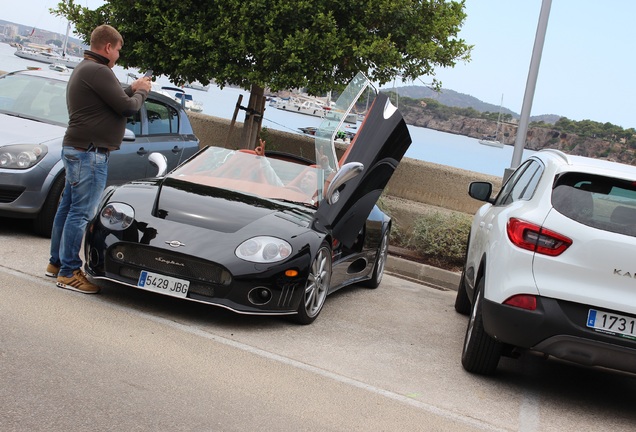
(268, 235)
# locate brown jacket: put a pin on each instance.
(98, 106)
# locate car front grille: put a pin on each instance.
(131, 258)
(8, 194)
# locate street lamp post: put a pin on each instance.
(531, 84)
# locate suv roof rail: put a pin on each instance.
(558, 153)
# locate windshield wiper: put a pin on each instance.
(300, 203)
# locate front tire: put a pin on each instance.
(317, 286)
(481, 353)
(43, 223)
(462, 302)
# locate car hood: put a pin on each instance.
(223, 210)
(17, 130)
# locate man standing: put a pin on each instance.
(98, 107)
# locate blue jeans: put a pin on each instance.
(86, 174)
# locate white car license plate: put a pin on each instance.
(163, 284)
(609, 322)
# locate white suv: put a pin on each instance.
(551, 265)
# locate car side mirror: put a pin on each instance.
(160, 162)
(129, 135)
(344, 174)
(480, 191)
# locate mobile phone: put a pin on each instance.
(148, 73)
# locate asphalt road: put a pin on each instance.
(375, 360)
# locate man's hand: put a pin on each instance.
(143, 83)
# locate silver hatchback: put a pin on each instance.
(33, 120)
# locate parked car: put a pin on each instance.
(33, 119)
(550, 265)
(262, 235)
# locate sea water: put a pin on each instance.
(428, 145)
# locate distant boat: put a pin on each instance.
(309, 130)
(310, 106)
(491, 140)
(46, 54)
(58, 67)
(196, 85)
(303, 105)
(182, 97)
(344, 137)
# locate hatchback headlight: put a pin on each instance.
(263, 249)
(21, 156)
(117, 216)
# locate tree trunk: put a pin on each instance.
(253, 118)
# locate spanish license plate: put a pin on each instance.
(163, 284)
(612, 323)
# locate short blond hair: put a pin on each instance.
(105, 34)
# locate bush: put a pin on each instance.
(441, 237)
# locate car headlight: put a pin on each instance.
(263, 249)
(21, 156)
(117, 216)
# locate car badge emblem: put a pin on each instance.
(175, 243)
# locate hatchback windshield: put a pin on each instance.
(601, 202)
(32, 97)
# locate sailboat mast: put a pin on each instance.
(68, 29)
(499, 117)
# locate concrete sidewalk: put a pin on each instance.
(422, 273)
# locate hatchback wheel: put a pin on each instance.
(43, 223)
(481, 352)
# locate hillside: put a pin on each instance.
(460, 100)
(618, 146)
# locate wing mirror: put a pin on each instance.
(480, 191)
(159, 161)
(129, 135)
(344, 174)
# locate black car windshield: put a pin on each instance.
(247, 172)
(33, 97)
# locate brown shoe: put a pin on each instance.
(77, 282)
(52, 270)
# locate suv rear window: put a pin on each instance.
(601, 202)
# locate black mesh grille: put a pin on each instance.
(167, 263)
(10, 195)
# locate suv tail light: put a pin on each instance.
(523, 301)
(532, 237)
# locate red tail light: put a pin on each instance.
(523, 301)
(536, 239)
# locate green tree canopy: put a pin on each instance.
(318, 45)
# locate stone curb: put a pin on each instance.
(422, 273)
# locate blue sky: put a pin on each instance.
(586, 71)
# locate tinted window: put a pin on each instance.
(162, 119)
(522, 183)
(601, 202)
